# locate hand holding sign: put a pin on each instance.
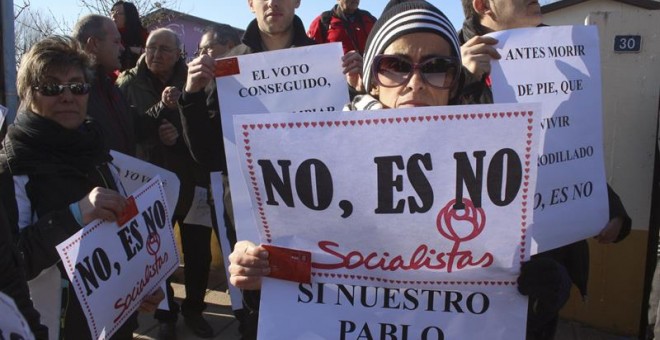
(477, 54)
(102, 203)
(117, 269)
(249, 264)
(200, 73)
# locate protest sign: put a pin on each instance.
(452, 185)
(134, 173)
(12, 323)
(560, 68)
(113, 266)
(422, 199)
(303, 79)
(338, 311)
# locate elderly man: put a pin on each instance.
(153, 87)
(485, 16)
(99, 37)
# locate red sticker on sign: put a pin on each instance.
(289, 264)
(226, 67)
(129, 212)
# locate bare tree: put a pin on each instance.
(144, 7)
(32, 25)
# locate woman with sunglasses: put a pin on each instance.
(56, 178)
(412, 58)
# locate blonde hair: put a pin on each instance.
(56, 52)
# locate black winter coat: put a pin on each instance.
(61, 167)
(200, 111)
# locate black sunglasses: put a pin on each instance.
(57, 89)
(394, 70)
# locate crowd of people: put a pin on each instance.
(113, 85)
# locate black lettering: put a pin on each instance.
(390, 298)
(485, 303)
(99, 266)
(455, 302)
(131, 239)
(307, 293)
(305, 184)
(386, 183)
(420, 183)
(273, 181)
(465, 174)
(439, 335)
(155, 217)
(345, 328)
(496, 180)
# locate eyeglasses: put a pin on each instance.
(50, 90)
(162, 49)
(208, 48)
(392, 71)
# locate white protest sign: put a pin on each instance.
(421, 196)
(134, 173)
(560, 68)
(112, 268)
(302, 79)
(331, 311)
(12, 322)
(200, 210)
(217, 190)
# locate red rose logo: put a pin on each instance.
(461, 225)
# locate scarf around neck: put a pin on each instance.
(363, 102)
(38, 145)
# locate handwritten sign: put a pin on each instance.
(403, 211)
(303, 79)
(113, 267)
(12, 323)
(560, 68)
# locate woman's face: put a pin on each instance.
(118, 16)
(416, 48)
(67, 109)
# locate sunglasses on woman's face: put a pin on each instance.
(393, 70)
(57, 89)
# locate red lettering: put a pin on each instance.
(421, 258)
(150, 271)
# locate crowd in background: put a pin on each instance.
(113, 85)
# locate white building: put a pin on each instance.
(619, 278)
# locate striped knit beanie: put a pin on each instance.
(404, 18)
